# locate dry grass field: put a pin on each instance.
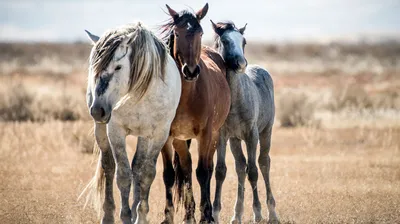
(335, 148)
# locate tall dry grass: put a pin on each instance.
(24, 101)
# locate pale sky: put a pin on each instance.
(272, 20)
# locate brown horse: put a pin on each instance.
(202, 110)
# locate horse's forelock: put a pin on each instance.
(182, 20)
(223, 27)
(147, 58)
(104, 51)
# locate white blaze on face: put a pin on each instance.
(236, 40)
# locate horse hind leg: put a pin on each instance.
(240, 166)
(252, 171)
(264, 162)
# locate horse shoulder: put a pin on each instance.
(210, 55)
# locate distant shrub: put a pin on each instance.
(15, 103)
(355, 97)
(295, 109)
(18, 103)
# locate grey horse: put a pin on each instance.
(251, 118)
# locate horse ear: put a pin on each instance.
(128, 39)
(241, 30)
(93, 38)
(215, 28)
(172, 12)
(202, 12)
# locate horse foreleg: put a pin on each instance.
(251, 140)
(240, 166)
(108, 165)
(136, 168)
(207, 146)
(169, 179)
(116, 136)
(183, 179)
(220, 174)
(147, 173)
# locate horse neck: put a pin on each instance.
(234, 82)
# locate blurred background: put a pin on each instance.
(336, 69)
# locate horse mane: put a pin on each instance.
(148, 55)
(185, 17)
(222, 27)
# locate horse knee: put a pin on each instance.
(241, 168)
(220, 171)
(203, 174)
(143, 208)
(124, 178)
(169, 177)
(252, 172)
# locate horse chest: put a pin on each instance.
(184, 127)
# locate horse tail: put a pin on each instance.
(188, 142)
(94, 190)
(180, 178)
(179, 185)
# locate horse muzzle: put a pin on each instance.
(100, 114)
(237, 64)
(191, 73)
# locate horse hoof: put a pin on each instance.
(235, 221)
(257, 219)
(273, 221)
(189, 221)
(107, 220)
(207, 222)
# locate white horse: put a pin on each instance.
(134, 88)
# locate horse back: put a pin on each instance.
(265, 88)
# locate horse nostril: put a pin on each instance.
(102, 112)
(97, 112)
(197, 70)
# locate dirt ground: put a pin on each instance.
(318, 176)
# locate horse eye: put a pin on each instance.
(176, 34)
(118, 68)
